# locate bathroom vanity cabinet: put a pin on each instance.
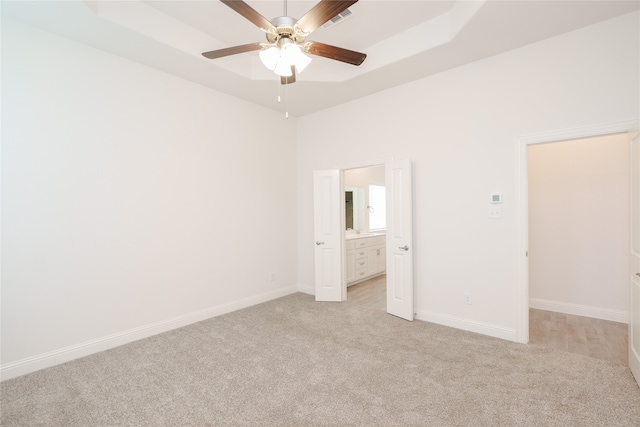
(365, 257)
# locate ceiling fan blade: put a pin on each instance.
(321, 13)
(232, 50)
(291, 79)
(249, 13)
(337, 53)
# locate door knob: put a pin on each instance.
(404, 248)
(319, 243)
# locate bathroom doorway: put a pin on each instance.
(365, 236)
(392, 244)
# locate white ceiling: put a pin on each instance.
(403, 40)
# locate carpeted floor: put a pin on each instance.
(295, 362)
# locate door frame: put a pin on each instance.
(522, 201)
(342, 168)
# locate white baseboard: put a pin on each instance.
(580, 310)
(309, 290)
(56, 357)
(468, 325)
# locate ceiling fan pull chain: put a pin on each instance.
(279, 92)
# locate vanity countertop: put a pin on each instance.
(352, 236)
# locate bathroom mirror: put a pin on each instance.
(354, 208)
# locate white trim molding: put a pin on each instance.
(580, 310)
(66, 354)
(467, 325)
(309, 290)
(579, 132)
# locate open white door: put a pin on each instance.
(634, 264)
(399, 239)
(328, 210)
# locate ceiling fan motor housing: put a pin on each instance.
(284, 27)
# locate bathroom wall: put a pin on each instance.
(362, 178)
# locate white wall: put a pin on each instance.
(363, 177)
(579, 227)
(459, 129)
(132, 201)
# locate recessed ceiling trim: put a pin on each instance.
(150, 22)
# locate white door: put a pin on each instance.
(328, 208)
(634, 264)
(399, 239)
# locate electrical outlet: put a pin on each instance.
(273, 277)
(467, 298)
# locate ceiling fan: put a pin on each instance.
(284, 51)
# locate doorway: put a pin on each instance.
(396, 249)
(578, 243)
(527, 243)
(365, 235)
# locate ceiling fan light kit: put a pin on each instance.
(283, 55)
(284, 52)
(270, 57)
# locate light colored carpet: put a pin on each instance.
(295, 362)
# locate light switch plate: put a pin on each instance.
(495, 212)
